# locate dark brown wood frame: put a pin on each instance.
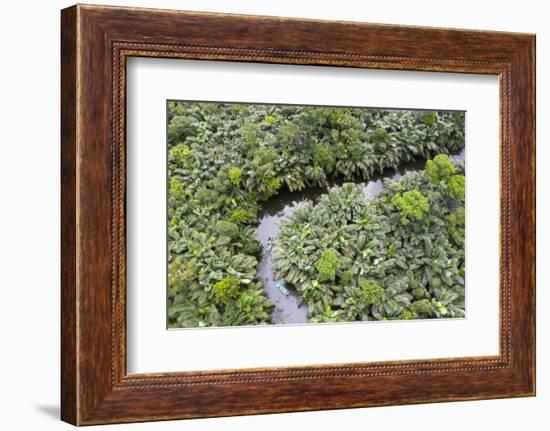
(95, 43)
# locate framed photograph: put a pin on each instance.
(264, 215)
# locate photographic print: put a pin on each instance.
(301, 219)
(296, 214)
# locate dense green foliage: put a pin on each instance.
(400, 255)
(224, 160)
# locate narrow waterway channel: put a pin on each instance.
(288, 308)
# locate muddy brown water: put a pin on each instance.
(288, 307)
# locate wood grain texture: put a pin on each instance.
(96, 41)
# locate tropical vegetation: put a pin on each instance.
(398, 256)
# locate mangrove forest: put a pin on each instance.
(286, 214)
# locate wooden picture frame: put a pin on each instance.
(96, 41)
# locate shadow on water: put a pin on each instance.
(288, 307)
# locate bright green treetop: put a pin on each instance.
(177, 191)
(226, 289)
(457, 187)
(327, 265)
(429, 118)
(373, 292)
(412, 205)
(439, 169)
(235, 174)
